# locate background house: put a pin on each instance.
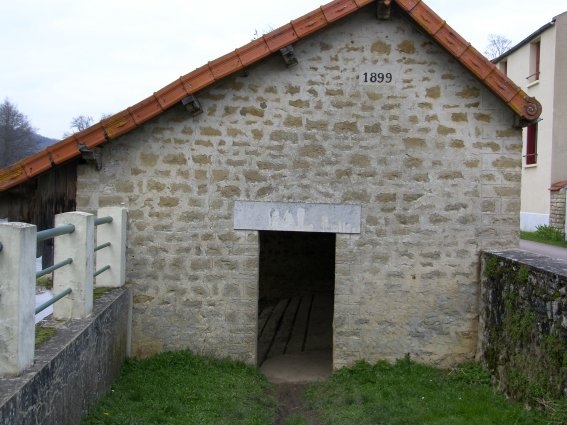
(538, 64)
(358, 161)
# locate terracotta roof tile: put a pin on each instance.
(558, 186)
(526, 108)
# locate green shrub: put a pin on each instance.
(550, 233)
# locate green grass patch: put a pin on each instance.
(182, 388)
(546, 234)
(295, 420)
(410, 393)
(99, 292)
(42, 334)
(44, 282)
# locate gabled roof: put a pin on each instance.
(527, 109)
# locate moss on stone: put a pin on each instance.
(42, 334)
(525, 349)
(523, 275)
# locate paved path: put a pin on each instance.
(544, 249)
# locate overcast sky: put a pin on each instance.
(64, 58)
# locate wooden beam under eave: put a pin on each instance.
(383, 9)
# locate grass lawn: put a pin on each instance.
(181, 388)
(547, 235)
(410, 393)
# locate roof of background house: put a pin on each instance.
(528, 39)
(525, 41)
(527, 109)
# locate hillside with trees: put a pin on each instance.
(18, 138)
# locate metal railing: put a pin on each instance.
(98, 222)
(52, 301)
(50, 234)
(43, 235)
(55, 231)
(76, 254)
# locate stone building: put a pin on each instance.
(364, 153)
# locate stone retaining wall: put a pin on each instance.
(523, 323)
(73, 369)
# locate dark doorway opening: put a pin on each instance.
(296, 293)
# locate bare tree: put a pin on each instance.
(497, 45)
(81, 123)
(17, 136)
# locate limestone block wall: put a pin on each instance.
(557, 210)
(374, 114)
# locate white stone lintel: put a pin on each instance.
(297, 217)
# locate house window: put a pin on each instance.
(531, 145)
(535, 50)
(503, 67)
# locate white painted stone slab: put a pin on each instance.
(297, 217)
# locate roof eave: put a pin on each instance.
(526, 108)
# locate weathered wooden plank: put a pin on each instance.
(284, 330)
(263, 318)
(320, 327)
(267, 337)
(297, 339)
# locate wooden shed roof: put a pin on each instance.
(526, 108)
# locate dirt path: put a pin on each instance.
(291, 401)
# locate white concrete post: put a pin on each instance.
(115, 254)
(79, 246)
(17, 297)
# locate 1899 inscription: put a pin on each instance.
(377, 77)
